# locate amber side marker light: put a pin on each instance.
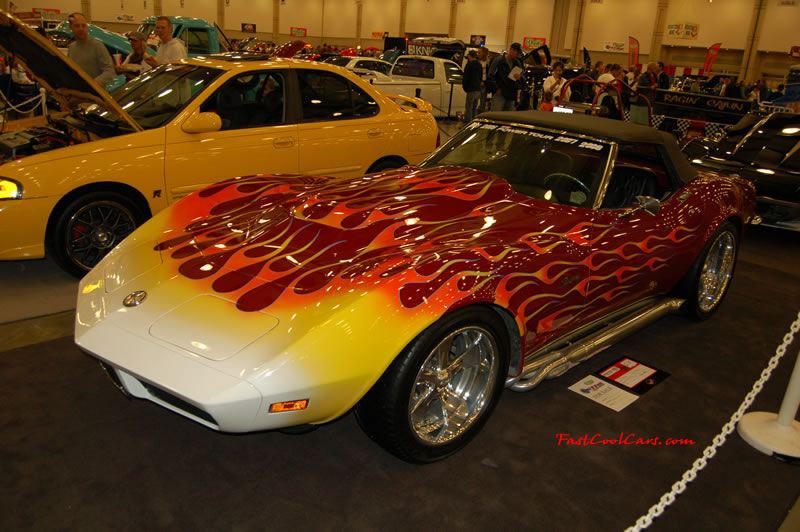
(288, 406)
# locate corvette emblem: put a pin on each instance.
(134, 299)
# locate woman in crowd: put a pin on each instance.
(555, 83)
(134, 64)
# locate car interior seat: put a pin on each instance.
(626, 183)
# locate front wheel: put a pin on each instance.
(440, 391)
(709, 278)
(89, 227)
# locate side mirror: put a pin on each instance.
(648, 204)
(202, 123)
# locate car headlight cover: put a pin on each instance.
(9, 189)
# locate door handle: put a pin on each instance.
(374, 133)
(283, 142)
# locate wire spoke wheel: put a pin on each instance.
(453, 385)
(94, 229)
(717, 271)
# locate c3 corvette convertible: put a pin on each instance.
(526, 244)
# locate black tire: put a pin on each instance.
(89, 227)
(423, 374)
(707, 281)
(386, 164)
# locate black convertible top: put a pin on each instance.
(604, 128)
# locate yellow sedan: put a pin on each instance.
(77, 186)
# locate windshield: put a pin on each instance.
(542, 164)
(338, 60)
(155, 97)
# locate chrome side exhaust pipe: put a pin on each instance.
(560, 361)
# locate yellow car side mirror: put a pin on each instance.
(202, 123)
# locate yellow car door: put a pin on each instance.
(342, 132)
(255, 136)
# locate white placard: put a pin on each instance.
(604, 393)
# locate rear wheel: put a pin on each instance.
(709, 278)
(440, 391)
(89, 227)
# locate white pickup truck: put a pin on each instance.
(431, 78)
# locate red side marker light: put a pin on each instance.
(288, 406)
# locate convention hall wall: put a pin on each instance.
(603, 26)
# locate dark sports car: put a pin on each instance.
(766, 151)
(525, 245)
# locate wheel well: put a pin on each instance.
(514, 342)
(388, 158)
(108, 186)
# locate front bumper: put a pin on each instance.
(23, 223)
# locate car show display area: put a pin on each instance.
(76, 453)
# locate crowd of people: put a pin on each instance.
(92, 56)
(501, 80)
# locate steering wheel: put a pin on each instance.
(573, 179)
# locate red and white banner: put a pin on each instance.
(633, 51)
(711, 56)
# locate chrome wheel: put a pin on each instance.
(94, 229)
(453, 386)
(717, 271)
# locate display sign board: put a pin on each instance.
(477, 40)
(420, 48)
(248, 28)
(614, 46)
(696, 106)
(633, 375)
(683, 30)
(380, 34)
(533, 42)
(298, 32)
(602, 392)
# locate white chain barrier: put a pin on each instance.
(18, 108)
(708, 453)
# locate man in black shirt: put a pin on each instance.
(503, 81)
(472, 85)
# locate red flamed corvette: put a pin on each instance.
(523, 246)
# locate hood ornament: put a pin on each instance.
(134, 299)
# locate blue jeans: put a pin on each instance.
(482, 104)
(499, 103)
(470, 104)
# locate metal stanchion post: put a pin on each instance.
(450, 103)
(776, 435)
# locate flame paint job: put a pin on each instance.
(431, 241)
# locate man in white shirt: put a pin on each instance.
(170, 49)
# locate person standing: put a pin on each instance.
(504, 78)
(171, 49)
(648, 83)
(88, 53)
(663, 78)
(483, 59)
(472, 85)
(556, 82)
(134, 64)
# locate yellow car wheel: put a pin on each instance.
(440, 391)
(89, 227)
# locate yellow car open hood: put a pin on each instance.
(54, 71)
